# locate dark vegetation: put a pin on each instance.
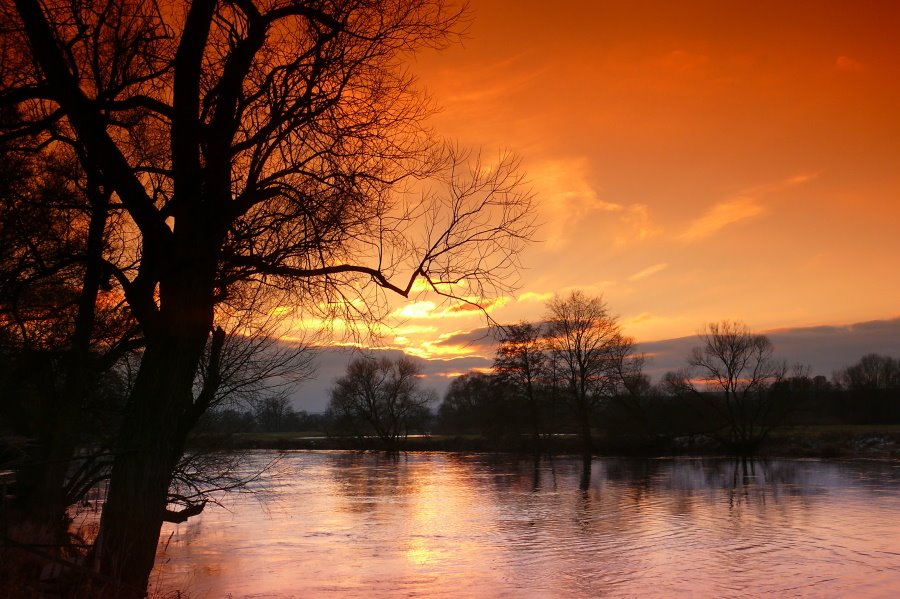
(732, 397)
(172, 174)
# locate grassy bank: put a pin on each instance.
(837, 441)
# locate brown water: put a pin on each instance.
(452, 525)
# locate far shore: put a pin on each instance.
(813, 441)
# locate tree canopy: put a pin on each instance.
(242, 155)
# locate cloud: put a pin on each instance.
(639, 318)
(638, 225)
(824, 348)
(649, 271)
(720, 216)
(683, 60)
(477, 342)
(742, 206)
(432, 310)
(779, 185)
(849, 65)
(482, 89)
(799, 179)
(534, 296)
(569, 201)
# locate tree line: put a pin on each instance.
(574, 373)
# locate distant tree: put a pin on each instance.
(380, 397)
(226, 421)
(460, 407)
(592, 355)
(521, 362)
(479, 403)
(736, 369)
(634, 397)
(872, 371)
(870, 389)
(272, 413)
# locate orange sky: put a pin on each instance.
(693, 161)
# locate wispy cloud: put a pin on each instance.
(534, 296)
(649, 271)
(569, 200)
(743, 206)
(847, 64)
(720, 216)
(447, 309)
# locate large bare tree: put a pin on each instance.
(239, 146)
(738, 367)
(592, 357)
(380, 397)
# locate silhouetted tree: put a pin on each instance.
(480, 403)
(272, 413)
(872, 371)
(380, 398)
(521, 363)
(737, 369)
(63, 333)
(871, 389)
(241, 146)
(591, 354)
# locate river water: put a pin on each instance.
(341, 524)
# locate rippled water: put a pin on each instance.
(452, 525)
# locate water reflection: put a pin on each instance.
(451, 525)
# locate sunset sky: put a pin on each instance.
(692, 161)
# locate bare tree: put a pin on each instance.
(634, 389)
(737, 367)
(381, 398)
(243, 145)
(870, 388)
(59, 323)
(871, 372)
(591, 354)
(521, 362)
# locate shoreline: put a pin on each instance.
(827, 441)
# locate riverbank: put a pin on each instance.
(824, 441)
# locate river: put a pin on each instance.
(342, 524)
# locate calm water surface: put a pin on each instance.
(455, 525)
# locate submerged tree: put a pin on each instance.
(737, 368)
(594, 361)
(521, 363)
(380, 398)
(246, 149)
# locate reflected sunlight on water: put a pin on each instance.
(454, 525)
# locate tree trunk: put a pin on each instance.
(151, 441)
(586, 465)
(584, 418)
(535, 420)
